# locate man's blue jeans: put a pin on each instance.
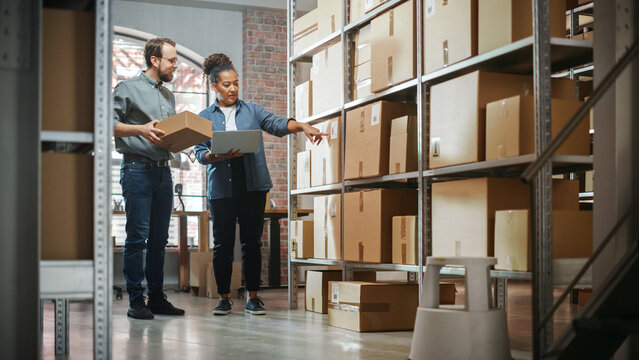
(148, 199)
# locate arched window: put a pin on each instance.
(190, 94)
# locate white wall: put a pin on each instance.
(203, 30)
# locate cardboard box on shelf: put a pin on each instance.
(368, 138)
(568, 89)
(183, 130)
(305, 32)
(571, 237)
(364, 306)
(327, 211)
(301, 233)
(510, 127)
(362, 81)
(66, 207)
(362, 45)
(236, 281)
(329, 17)
(447, 293)
(393, 47)
(450, 33)
(405, 240)
(403, 145)
(326, 162)
(501, 22)
(356, 10)
(68, 47)
(458, 114)
(372, 4)
(327, 80)
(368, 222)
(303, 100)
(463, 211)
(304, 169)
(198, 261)
(317, 289)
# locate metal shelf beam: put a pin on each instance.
(319, 190)
(307, 54)
(66, 279)
(364, 20)
(66, 136)
(403, 92)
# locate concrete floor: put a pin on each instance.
(281, 334)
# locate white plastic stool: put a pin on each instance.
(477, 332)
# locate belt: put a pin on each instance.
(146, 160)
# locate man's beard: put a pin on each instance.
(165, 76)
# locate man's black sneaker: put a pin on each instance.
(255, 306)
(138, 310)
(223, 307)
(159, 305)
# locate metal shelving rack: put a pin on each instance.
(62, 281)
(538, 55)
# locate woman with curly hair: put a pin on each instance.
(238, 183)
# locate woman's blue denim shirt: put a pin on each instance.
(248, 116)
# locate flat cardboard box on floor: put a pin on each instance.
(303, 100)
(501, 22)
(211, 284)
(510, 127)
(450, 33)
(198, 261)
(67, 207)
(326, 162)
(393, 47)
(368, 138)
(405, 240)
(327, 213)
(365, 306)
(301, 233)
(68, 70)
(183, 130)
(304, 169)
(571, 237)
(463, 211)
(327, 80)
(305, 32)
(368, 222)
(403, 145)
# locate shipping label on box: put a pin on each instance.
(450, 33)
(510, 127)
(304, 169)
(405, 240)
(183, 130)
(393, 47)
(368, 222)
(325, 157)
(368, 138)
(303, 100)
(403, 145)
(364, 306)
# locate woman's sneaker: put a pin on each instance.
(255, 306)
(223, 307)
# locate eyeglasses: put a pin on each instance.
(171, 61)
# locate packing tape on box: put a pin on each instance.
(445, 48)
(403, 253)
(360, 171)
(403, 228)
(324, 171)
(333, 23)
(361, 200)
(313, 304)
(391, 22)
(397, 167)
(361, 120)
(361, 252)
(390, 71)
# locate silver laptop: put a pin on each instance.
(247, 141)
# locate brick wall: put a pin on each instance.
(264, 82)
